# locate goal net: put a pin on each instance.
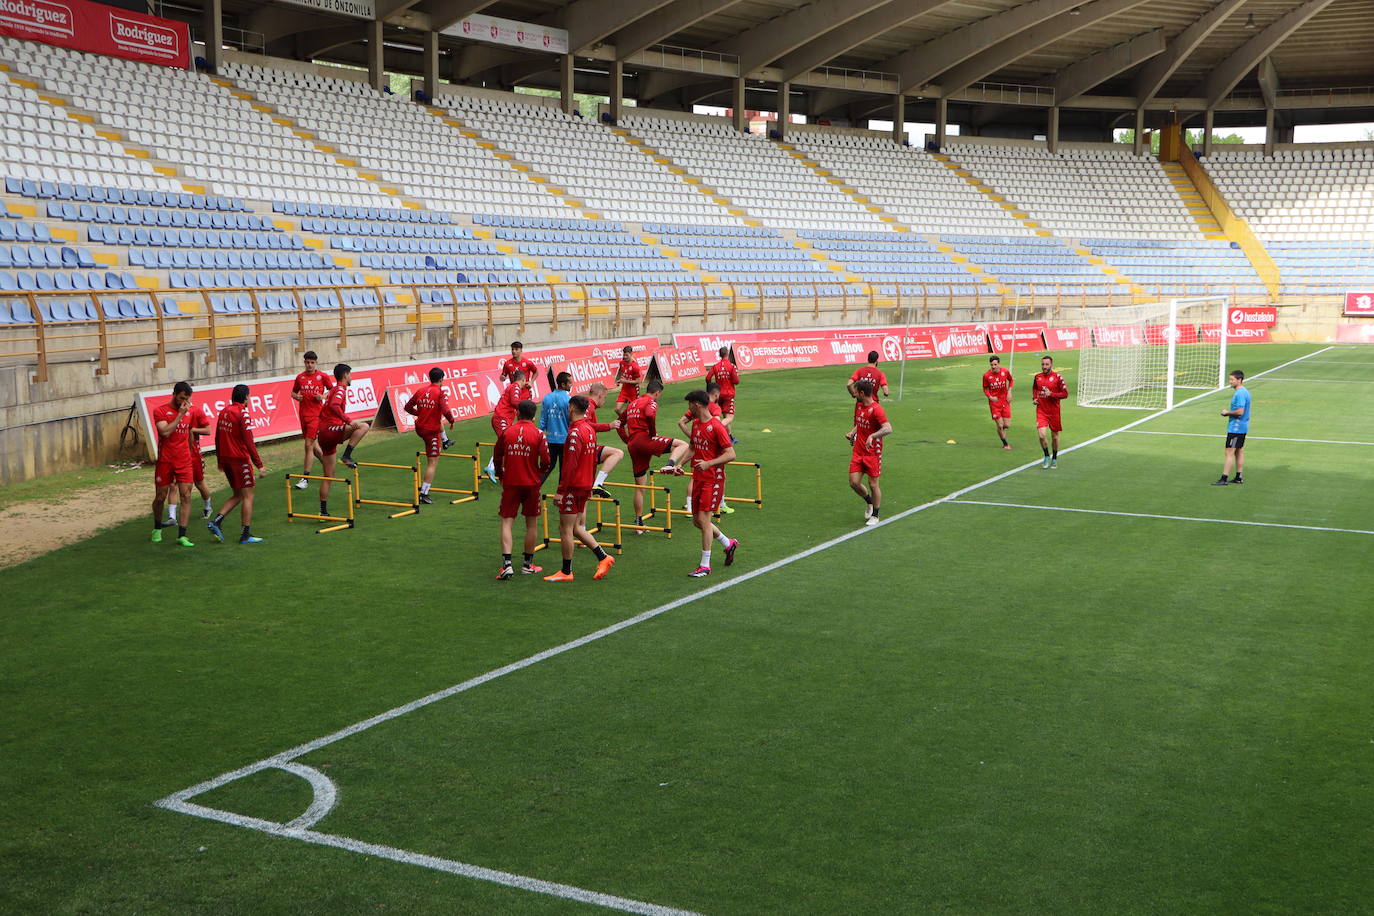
(1140, 355)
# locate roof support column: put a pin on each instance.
(432, 64)
(376, 56)
(784, 109)
(565, 84)
(1269, 132)
(1138, 146)
(737, 103)
(1052, 130)
(941, 122)
(213, 27)
(899, 119)
(617, 89)
(1208, 123)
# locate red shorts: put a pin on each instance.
(331, 437)
(515, 499)
(625, 398)
(433, 440)
(726, 403)
(572, 500)
(172, 470)
(499, 424)
(310, 426)
(197, 466)
(1050, 418)
(707, 493)
(1000, 409)
(872, 465)
(239, 472)
(644, 449)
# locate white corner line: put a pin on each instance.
(1174, 518)
(326, 794)
(180, 801)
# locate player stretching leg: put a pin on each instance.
(237, 453)
(1237, 426)
(711, 451)
(641, 423)
(870, 427)
(522, 462)
(429, 407)
(173, 424)
(574, 489)
(200, 426)
(607, 456)
(1048, 391)
(997, 385)
(336, 429)
(309, 390)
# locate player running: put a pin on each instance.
(1047, 392)
(726, 376)
(574, 489)
(710, 452)
(553, 418)
(200, 425)
(336, 429)
(873, 374)
(870, 427)
(503, 414)
(429, 407)
(641, 425)
(607, 456)
(173, 424)
(522, 462)
(997, 385)
(309, 390)
(237, 454)
(627, 376)
(1237, 426)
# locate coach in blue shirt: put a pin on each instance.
(553, 417)
(1237, 425)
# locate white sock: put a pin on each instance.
(689, 504)
(424, 488)
(171, 513)
(706, 558)
(208, 507)
(724, 541)
(600, 478)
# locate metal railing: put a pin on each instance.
(413, 308)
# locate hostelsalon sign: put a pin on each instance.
(102, 29)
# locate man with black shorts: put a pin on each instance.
(1237, 426)
(553, 418)
(522, 463)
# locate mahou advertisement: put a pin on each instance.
(85, 26)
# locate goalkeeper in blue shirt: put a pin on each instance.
(1237, 425)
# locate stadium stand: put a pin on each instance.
(1320, 195)
(896, 263)
(756, 260)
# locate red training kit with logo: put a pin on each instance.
(311, 386)
(725, 375)
(234, 435)
(429, 407)
(512, 366)
(874, 375)
(521, 455)
(579, 457)
(630, 375)
(176, 445)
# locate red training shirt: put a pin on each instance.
(641, 417)
(234, 435)
(335, 409)
(868, 419)
(312, 386)
(630, 375)
(997, 384)
(710, 439)
(713, 408)
(512, 366)
(1055, 383)
(874, 375)
(522, 455)
(591, 418)
(725, 375)
(176, 445)
(429, 407)
(579, 457)
(510, 399)
(200, 419)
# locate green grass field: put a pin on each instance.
(986, 705)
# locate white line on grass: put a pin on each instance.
(180, 801)
(1325, 381)
(1175, 518)
(1152, 432)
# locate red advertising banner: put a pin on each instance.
(86, 26)
(1355, 333)
(468, 397)
(1247, 315)
(784, 349)
(1211, 333)
(1020, 337)
(474, 379)
(1159, 334)
(1067, 338)
(1118, 335)
(1359, 303)
(678, 365)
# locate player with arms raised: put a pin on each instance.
(574, 489)
(1047, 392)
(237, 454)
(997, 385)
(710, 452)
(873, 374)
(870, 427)
(429, 407)
(522, 462)
(309, 390)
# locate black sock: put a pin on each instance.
(348, 452)
(324, 507)
(868, 498)
(529, 559)
(875, 512)
(219, 519)
(505, 559)
(181, 531)
(246, 534)
(1045, 450)
(1055, 456)
(600, 554)
(1003, 438)
(157, 524)
(567, 567)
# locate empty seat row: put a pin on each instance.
(42, 281)
(62, 190)
(180, 258)
(158, 237)
(44, 256)
(156, 216)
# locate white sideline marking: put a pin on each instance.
(1151, 432)
(1326, 381)
(180, 801)
(1175, 518)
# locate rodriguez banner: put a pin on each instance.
(86, 26)
(473, 381)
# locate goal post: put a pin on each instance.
(1137, 357)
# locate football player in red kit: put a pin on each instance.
(173, 424)
(518, 363)
(522, 459)
(201, 424)
(710, 451)
(503, 414)
(429, 407)
(627, 376)
(336, 429)
(607, 456)
(1048, 391)
(870, 427)
(997, 385)
(685, 424)
(726, 376)
(574, 489)
(641, 424)
(873, 374)
(237, 454)
(309, 390)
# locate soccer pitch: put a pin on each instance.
(1104, 687)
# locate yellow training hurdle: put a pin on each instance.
(292, 515)
(618, 546)
(410, 508)
(758, 484)
(667, 507)
(464, 496)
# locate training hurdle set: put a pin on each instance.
(410, 508)
(654, 490)
(601, 524)
(758, 483)
(464, 496)
(342, 521)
